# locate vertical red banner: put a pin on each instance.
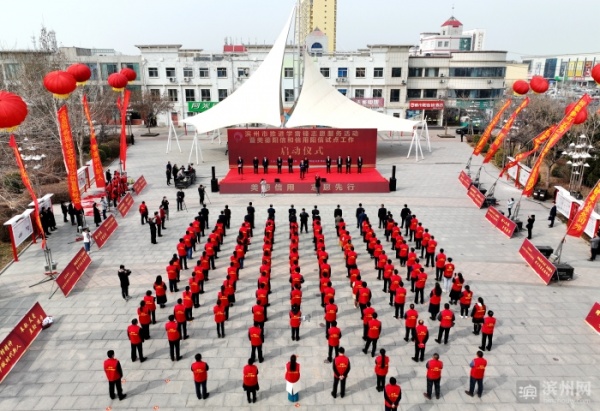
(68, 148)
(94, 153)
(504, 131)
(580, 219)
(488, 131)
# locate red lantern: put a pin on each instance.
(596, 73)
(539, 84)
(581, 117)
(117, 81)
(60, 84)
(81, 72)
(520, 87)
(13, 111)
(129, 73)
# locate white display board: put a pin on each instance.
(22, 227)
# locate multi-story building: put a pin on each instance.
(574, 68)
(450, 38)
(318, 14)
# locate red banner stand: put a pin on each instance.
(465, 180)
(16, 343)
(125, 204)
(501, 222)
(537, 261)
(139, 185)
(67, 279)
(102, 233)
(476, 196)
(593, 318)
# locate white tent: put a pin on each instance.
(320, 104)
(258, 100)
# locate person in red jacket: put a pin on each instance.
(430, 252)
(180, 317)
(434, 376)
(435, 300)
(145, 320)
(295, 320)
(487, 331)
(421, 337)
(465, 301)
(373, 335)
(446, 318)
(200, 370)
(399, 300)
(440, 263)
(194, 285)
(420, 285)
(256, 337)
(296, 296)
(250, 380)
(150, 301)
(174, 338)
(411, 316)
(478, 313)
(188, 303)
(392, 395)
(331, 310)
(219, 313)
(262, 296)
(333, 335)
(161, 291)
(382, 365)
(292, 376)
(456, 289)
(448, 274)
(134, 333)
(477, 372)
(182, 253)
(341, 368)
(364, 297)
(143, 212)
(114, 373)
(395, 281)
(367, 316)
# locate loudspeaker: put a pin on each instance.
(545, 250)
(564, 272)
(323, 180)
(213, 173)
(392, 184)
(277, 180)
(214, 185)
(394, 172)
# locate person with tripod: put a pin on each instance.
(201, 193)
(180, 200)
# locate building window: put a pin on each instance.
(342, 71)
(477, 72)
(155, 94)
(222, 72)
(395, 95)
(188, 72)
(446, 44)
(243, 71)
(170, 71)
(325, 72)
(439, 44)
(397, 115)
(377, 93)
(413, 93)
(396, 71)
(222, 94)
(343, 91)
(359, 93)
(172, 93)
(430, 93)
(288, 72)
(153, 72)
(378, 72)
(431, 72)
(190, 94)
(108, 69)
(289, 95)
(415, 72)
(205, 94)
(360, 72)
(203, 72)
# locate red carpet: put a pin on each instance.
(369, 181)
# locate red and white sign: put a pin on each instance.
(465, 180)
(475, 195)
(20, 338)
(67, 279)
(593, 318)
(102, 233)
(369, 102)
(139, 185)
(125, 204)
(426, 105)
(501, 222)
(537, 261)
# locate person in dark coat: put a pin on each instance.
(108, 176)
(65, 211)
(552, 215)
(71, 211)
(529, 225)
(97, 217)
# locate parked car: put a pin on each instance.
(467, 130)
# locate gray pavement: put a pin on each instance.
(541, 338)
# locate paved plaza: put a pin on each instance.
(541, 339)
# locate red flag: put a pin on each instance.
(504, 131)
(94, 153)
(537, 142)
(123, 108)
(583, 215)
(488, 131)
(27, 183)
(560, 130)
(68, 148)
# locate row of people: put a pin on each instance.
(304, 164)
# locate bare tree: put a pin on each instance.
(149, 105)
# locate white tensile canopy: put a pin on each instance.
(320, 104)
(258, 100)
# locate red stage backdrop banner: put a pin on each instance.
(593, 318)
(139, 185)
(67, 279)
(465, 180)
(125, 204)
(537, 261)
(20, 338)
(105, 230)
(68, 148)
(583, 215)
(94, 153)
(501, 222)
(475, 195)
(313, 143)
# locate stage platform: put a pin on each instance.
(369, 181)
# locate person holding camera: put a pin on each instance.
(124, 279)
